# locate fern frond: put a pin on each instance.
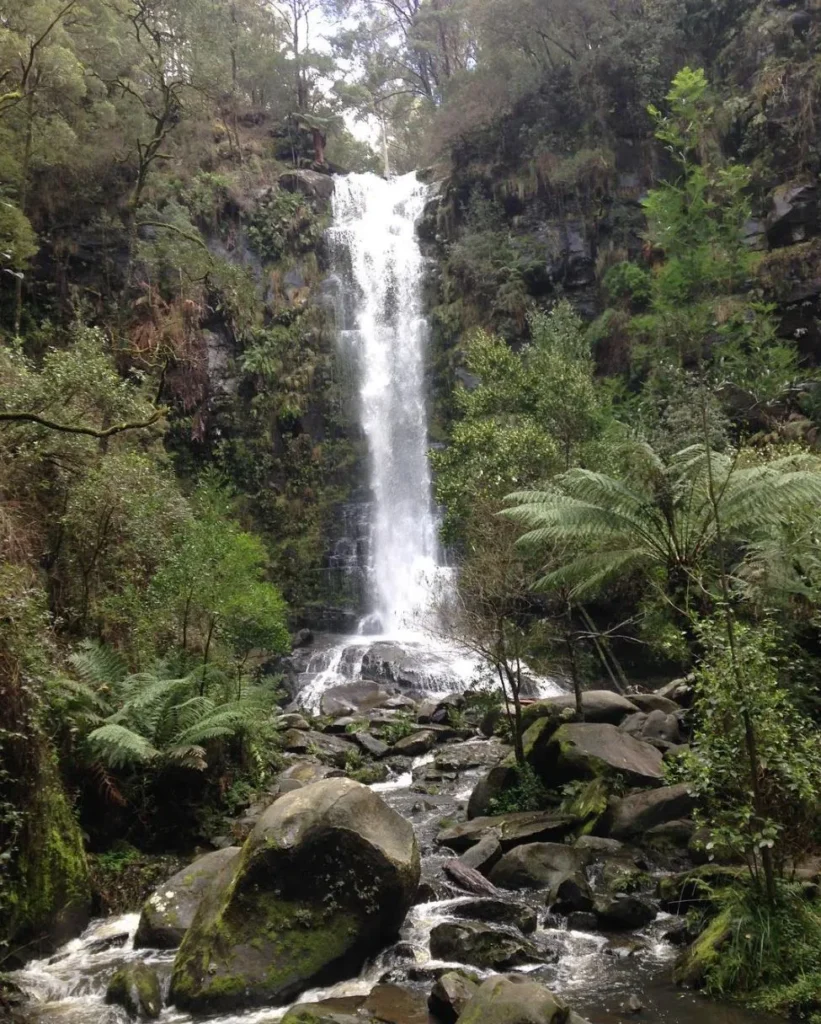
(120, 747)
(97, 665)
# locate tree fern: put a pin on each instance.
(168, 721)
(661, 516)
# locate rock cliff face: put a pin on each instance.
(540, 206)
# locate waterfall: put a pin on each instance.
(377, 255)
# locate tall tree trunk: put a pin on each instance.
(24, 195)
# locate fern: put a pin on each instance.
(663, 517)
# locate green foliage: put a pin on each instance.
(789, 773)
(528, 793)
(771, 955)
(284, 222)
(529, 413)
(399, 728)
(658, 517)
(628, 281)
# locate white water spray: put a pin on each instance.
(374, 239)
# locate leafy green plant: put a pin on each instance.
(769, 955)
(399, 728)
(527, 794)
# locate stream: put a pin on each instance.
(596, 973)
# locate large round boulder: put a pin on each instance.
(513, 1000)
(323, 881)
(167, 914)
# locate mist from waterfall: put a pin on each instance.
(378, 257)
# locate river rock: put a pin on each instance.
(570, 895)
(323, 881)
(654, 702)
(292, 721)
(351, 698)
(598, 706)
(482, 946)
(327, 1011)
(510, 829)
(634, 815)
(167, 914)
(415, 745)
(494, 911)
(137, 989)
(488, 788)
(484, 855)
(464, 756)
(536, 866)
(306, 771)
(394, 1004)
(514, 1000)
(331, 749)
(450, 995)
(370, 744)
(655, 727)
(624, 912)
(584, 751)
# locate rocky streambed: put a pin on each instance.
(407, 900)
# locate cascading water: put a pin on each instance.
(379, 258)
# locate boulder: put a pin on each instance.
(514, 1000)
(137, 989)
(634, 815)
(483, 856)
(536, 866)
(292, 721)
(488, 788)
(510, 829)
(480, 945)
(370, 744)
(680, 691)
(306, 772)
(331, 749)
(393, 1004)
(167, 914)
(495, 911)
(572, 894)
(598, 706)
(624, 912)
(464, 756)
(327, 1011)
(450, 995)
(582, 921)
(308, 183)
(417, 744)
(350, 698)
(585, 751)
(656, 727)
(654, 702)
(323, 881)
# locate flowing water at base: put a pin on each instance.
(594, 972)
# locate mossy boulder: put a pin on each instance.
(537, 866)
(514, 1000)
(323, 881)
(450, 995)
(137, 989)
(50, 876)
(480, 945)
(167, 914)
(693, 966)
(633, 816)
(579, 750)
